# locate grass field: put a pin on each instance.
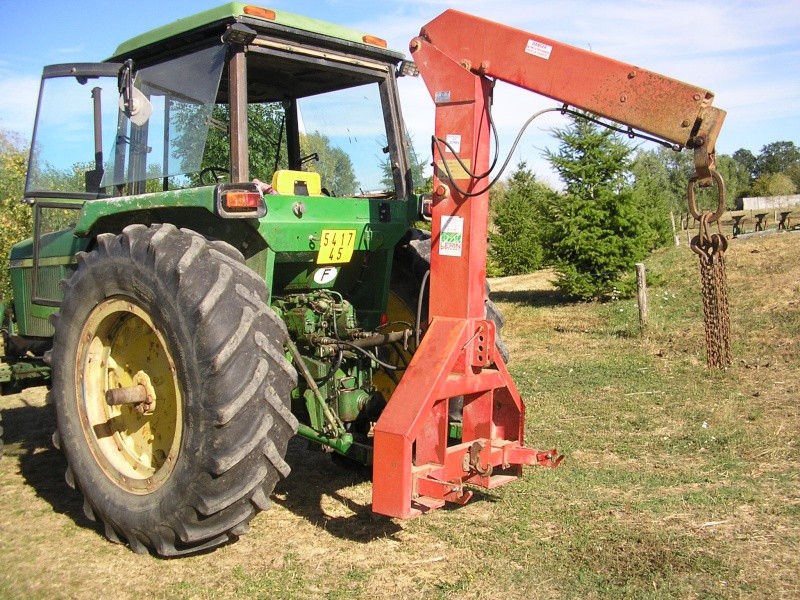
(679, 482)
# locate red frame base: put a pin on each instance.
(414, 469)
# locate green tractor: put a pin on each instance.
(223, 257)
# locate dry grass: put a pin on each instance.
(678, 482)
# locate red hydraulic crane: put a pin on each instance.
(459, 56)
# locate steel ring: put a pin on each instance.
(692, 199)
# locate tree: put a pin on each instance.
(794, 174)
(421, 183)
(736, 178)
(773, 184)
(598, 234)
(598, 242)
(747, 159)
(16, 219)
(334, 165)
(649, 167)
(267, 150)
(651, 191)
(516, 242)
(266, 144)
(589, 159)
(776, 157)
(680, 166)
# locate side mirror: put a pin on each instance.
(132, 102)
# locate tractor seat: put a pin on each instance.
(297, 183)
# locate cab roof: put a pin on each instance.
(210, 24)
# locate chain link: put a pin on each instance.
(716, 314)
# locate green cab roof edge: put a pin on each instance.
(234, 11)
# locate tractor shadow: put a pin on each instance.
(334, 498)
(315, 477)
(534, 298)
(27, 436)
(318, 487)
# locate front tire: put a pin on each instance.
(184, 319)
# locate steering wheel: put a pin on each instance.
(218, 173)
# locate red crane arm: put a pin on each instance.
(664, 107)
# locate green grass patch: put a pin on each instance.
(678, 481)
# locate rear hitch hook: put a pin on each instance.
(474, 460)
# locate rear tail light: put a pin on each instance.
(240, 201)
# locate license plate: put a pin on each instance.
(336, 246)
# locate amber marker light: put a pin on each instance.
(261, 13)
(375, 41)
(240, 201)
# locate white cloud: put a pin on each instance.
(18, 103)
(745, 52)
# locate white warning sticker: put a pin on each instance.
(454, 141)
(539, 49)
(451, 236)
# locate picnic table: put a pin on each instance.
(785, 220)
(761, 220)
(738, 225)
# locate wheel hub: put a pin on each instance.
(141, 395)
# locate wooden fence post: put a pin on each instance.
(675, 235)
(641, 294)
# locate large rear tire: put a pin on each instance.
(183, 319)
(412, 261)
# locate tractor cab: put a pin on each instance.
(232, 94)
(177, 125)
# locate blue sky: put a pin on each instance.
(746, 51)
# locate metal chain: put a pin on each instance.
(723, 311)
(716, 314)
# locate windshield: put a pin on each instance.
(67, 153)
(345, 132)
(341, 135)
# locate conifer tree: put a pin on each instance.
(519, 224)
(599, 232)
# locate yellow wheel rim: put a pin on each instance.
(396, 310)
(121, 347)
